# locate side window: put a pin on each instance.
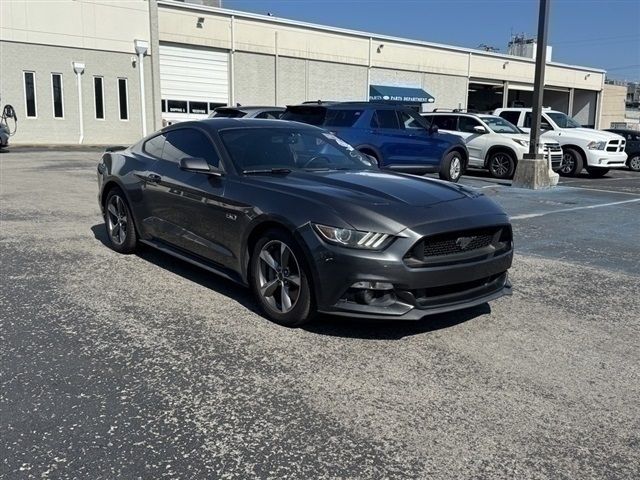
(188, 142)
(466, 124)
(408, 122)
(512, 117)
(274, 115)
(342, 118)
(446, 122)
(385, 119)
(154, 146)
(544, 123)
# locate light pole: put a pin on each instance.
(533, 171)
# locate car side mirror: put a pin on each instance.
(373, 160)
(198, 165)
(433, 129)
(545, 126)
(479, 129)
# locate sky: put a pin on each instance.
(594, 33)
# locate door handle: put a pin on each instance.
(154, 178)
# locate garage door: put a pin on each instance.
(193, 81)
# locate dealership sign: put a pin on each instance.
(385, 93)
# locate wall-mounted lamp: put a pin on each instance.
(380, 47)
(587, 76)
(200, 22)
(504, 65)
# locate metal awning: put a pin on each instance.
(385, 93)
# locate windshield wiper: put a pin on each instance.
(327, 169)
(267, 170)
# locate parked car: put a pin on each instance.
(247, 112)
(596, 150)
(397, 137)
(305, 220)
(632, 148)
(493, 143)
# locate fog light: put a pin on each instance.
(373, 285)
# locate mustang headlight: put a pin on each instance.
(524, 143)
(596, 145)
(353, 238)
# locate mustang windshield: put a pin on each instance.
(281, 149)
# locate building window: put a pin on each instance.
(123, 99)
(98, 95)
(30, 94)
(56, 92)
(176, 106)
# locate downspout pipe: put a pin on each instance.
(78, 68)
(142, 47)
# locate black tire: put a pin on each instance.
(452, 167)
(596, 172)
(571, 164)
(118, 222)
(263, 275)
(501, 165)
(634, 162)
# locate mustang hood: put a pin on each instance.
(384, 202)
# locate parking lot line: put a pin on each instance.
(617, 192)
(542, 214)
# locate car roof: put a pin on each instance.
(625, 130)
(219, 123)
(250, 108)
(526, 109)
(469, 114)
(354, 105)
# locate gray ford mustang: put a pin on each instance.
(309, 223)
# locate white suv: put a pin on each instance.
(595, 150)
(493, 143)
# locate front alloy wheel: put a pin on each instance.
(279, 276)
(571, 163)
(634, 163)
(119, 222)
(279, 279)
(501, 165)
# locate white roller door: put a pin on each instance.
(192, 81)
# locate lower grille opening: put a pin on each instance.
(429, 297)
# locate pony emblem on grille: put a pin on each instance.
(463, 242)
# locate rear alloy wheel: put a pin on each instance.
(571, 163)
(596, 172)
(502, 165)
(451, 167)
(119, 223)
(279, 280)
(634, 163)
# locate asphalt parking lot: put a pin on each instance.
(144, 367)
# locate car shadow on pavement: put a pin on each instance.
(329, 325)
(391, 329)
(186, 270)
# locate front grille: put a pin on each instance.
(616, 145)
(448, 246)
(460, 246)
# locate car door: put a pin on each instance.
(188, 209)
(386, 136)
(427, 146)
(476, 142)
